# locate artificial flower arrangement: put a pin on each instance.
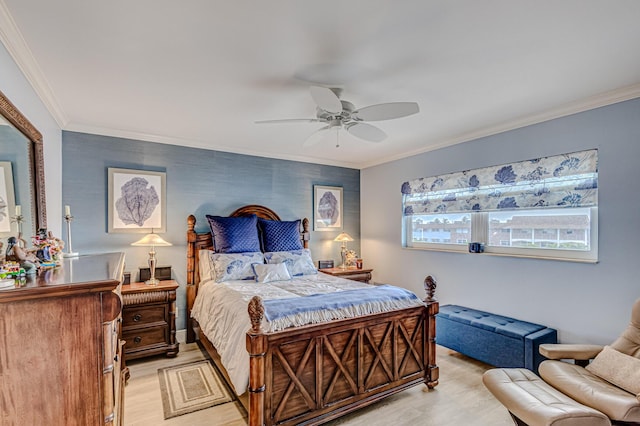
(48, 248)
(350, 258)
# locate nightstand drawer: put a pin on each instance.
(145, 337)
(141, 315)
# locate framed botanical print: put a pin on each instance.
(7, 198)
(328, 210)
(137, 201)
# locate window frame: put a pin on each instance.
(480, 232)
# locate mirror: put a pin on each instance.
(21, 172)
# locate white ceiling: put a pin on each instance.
(200, 72)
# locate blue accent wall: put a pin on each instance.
(199, 182)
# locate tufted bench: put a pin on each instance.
(533, 402)
(496, 340)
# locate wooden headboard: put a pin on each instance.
(203, 241)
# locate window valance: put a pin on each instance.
(567, 180)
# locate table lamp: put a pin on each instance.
(151, 240)
(343, 238)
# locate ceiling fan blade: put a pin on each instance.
(289, 120)
(326, 99)
(316, 137)
(366, 131)
(386, 111)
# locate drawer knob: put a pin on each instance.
(137, 339)
(137, 317)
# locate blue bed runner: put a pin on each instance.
(297, 311)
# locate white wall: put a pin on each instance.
(15, 87)
(585, 302)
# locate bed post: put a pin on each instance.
(191, 269)
(257, 347)
(432, 372)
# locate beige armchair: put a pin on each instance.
(605, 390)
(592, 384)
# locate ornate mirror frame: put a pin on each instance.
(36, 159)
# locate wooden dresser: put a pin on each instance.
(60, 350)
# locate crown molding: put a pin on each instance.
(17, 47)
(603, 99)
(139, 136)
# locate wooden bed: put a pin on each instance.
(316, 373)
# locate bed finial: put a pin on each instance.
(256, 313)
(430, 288)
(191, 223)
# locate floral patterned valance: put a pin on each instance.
(568, 180)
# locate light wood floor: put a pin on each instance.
(459, 399)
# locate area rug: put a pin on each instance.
(191, 387)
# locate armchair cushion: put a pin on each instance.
(615, 367)
(569, 351)
(590, 390)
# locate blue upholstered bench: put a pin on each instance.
(493, 339)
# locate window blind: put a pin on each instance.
(560, 181)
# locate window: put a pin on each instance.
(544, 208)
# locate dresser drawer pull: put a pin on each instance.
(137, 317)
(137, 339)
(115, 358)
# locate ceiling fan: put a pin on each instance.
(340, 114)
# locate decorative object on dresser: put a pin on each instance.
(149, 319)
(151, 240)
(61, 351)
(68, 219)
(351, 273)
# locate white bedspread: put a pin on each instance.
(221, 311)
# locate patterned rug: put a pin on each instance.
(191, 387)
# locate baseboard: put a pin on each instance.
(181, 335)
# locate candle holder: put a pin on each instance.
(69, 253)
(18, 219)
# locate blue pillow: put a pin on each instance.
(279, 235)
(234, 234)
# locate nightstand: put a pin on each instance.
(350, 273)
(149, 319)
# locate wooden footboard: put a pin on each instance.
(310, 375)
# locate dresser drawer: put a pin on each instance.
(136, 339)
(140, 315)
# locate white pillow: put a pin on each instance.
(618, 369)
(232, 266)
(205, 265)
(298, 261)
(270, 272)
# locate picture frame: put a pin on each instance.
(137, 201)
(327, 208)
(7, 199)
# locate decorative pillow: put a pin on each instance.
(271, 272)
(279, 235)
(234, 266)
(298, 261)
(618, 369)
(234, 234)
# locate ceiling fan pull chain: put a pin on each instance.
(337, 137)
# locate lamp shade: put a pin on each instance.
(151, 240)
(343, 237)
